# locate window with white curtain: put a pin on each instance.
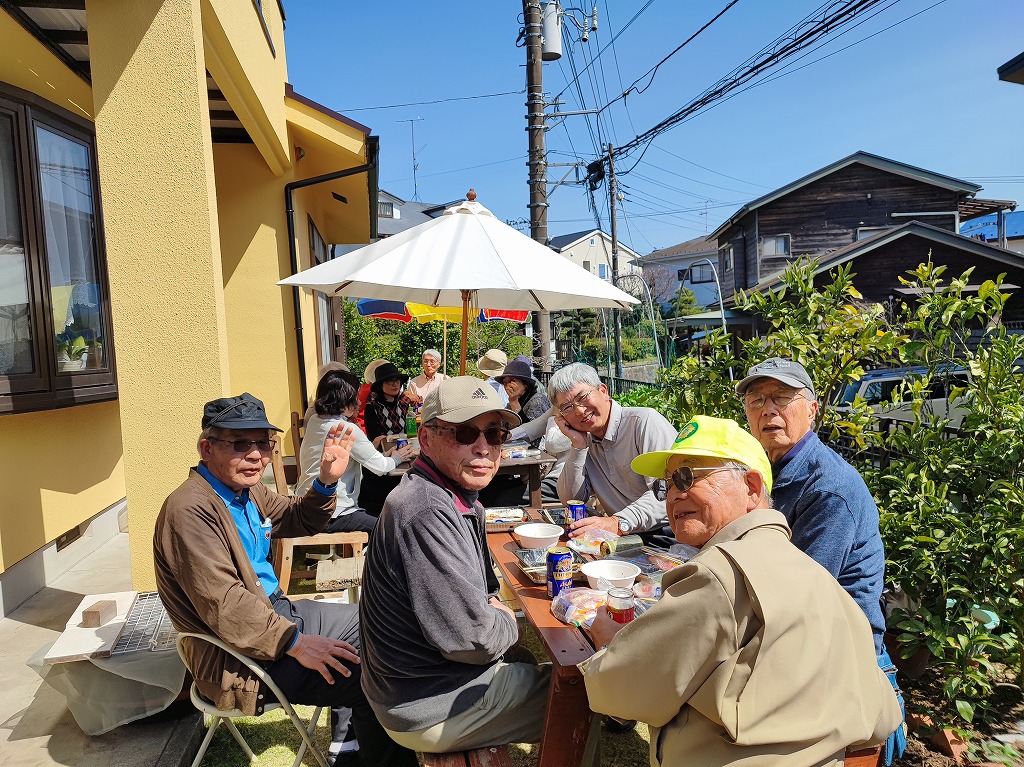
(55, 346)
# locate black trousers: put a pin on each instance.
(357, 521)
(307, 687)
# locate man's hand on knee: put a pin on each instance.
(321, 654)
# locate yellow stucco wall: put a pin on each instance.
(248, 73)
(163, 250)
(254, 248)
(27, 64)
(60, 467)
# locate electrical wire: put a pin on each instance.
(435, 101)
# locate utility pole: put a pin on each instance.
(538, 206)
(616, 314)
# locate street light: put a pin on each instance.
(650, 309)
(690, 273)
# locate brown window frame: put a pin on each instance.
(46, 387)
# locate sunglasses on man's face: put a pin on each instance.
(467, 434)
(683, 479)
(244, 446)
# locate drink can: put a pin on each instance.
(559, 570)
(517, 452)
(621, 606)
(401, 443)
(575, 511)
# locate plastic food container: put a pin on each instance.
(537, 535)
(618, 574)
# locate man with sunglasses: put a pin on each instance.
(753, 655)
(436, 639)
(605, 437)
(211, 547)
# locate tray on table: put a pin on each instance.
(534, 564)
(503, 519)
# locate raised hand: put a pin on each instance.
(337, 450)
(321, 654)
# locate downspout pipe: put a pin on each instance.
(370, 168)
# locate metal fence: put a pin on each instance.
(615, 385)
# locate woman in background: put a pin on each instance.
(336, 402)
(385, 414)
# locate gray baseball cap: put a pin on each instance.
(782, 370)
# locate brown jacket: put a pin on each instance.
(208, 585)
(753, 655)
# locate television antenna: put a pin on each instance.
(415, 165)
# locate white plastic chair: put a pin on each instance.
(217, 715)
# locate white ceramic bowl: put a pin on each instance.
(538, 536)
(617, 573)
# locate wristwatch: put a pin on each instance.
(624, 526)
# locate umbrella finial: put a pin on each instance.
(471, 195)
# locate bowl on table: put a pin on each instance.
(538, 535)
(619, 574)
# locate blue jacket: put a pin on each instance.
(834, 521)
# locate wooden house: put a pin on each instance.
(886, 215)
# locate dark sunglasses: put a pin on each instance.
(683, 478)
(243, 446)
(467, 434)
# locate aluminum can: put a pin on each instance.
(559, 570)
(621, 606)
(517, 452)
(575, 511)
(401, 443)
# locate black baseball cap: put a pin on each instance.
(241, 412)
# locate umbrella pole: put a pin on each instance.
(465, 332)
(444, 345)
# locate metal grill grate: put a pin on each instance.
(147, 627)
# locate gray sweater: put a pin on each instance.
(430, 640)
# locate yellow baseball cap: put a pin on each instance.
(714, 437)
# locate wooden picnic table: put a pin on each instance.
(568, 721)
(530, 465)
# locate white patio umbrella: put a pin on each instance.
(465, 256)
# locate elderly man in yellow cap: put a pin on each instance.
(754, 654)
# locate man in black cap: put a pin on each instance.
(211, 547)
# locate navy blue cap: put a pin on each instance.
(241, 412)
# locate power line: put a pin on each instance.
(710, 170)
(435, 101)
(654, 70)
(612, 40)
(783, 47)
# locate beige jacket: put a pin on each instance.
(208, 585)
(754, 654)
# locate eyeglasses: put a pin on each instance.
(579, 402)
(683, 479)
(392, 381)
(467, 434)
(779, 399)
(243, 446)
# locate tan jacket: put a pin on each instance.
(208, 585)
(754, 654)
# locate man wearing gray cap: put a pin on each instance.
(211, 548)
(830, 510)
(436, 639)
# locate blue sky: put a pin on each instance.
(924, 92)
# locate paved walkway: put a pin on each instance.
(36, 728)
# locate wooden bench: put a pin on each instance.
(492, 756)
(866, 757)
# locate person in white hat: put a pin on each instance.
(436, 639)
(492, 364)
